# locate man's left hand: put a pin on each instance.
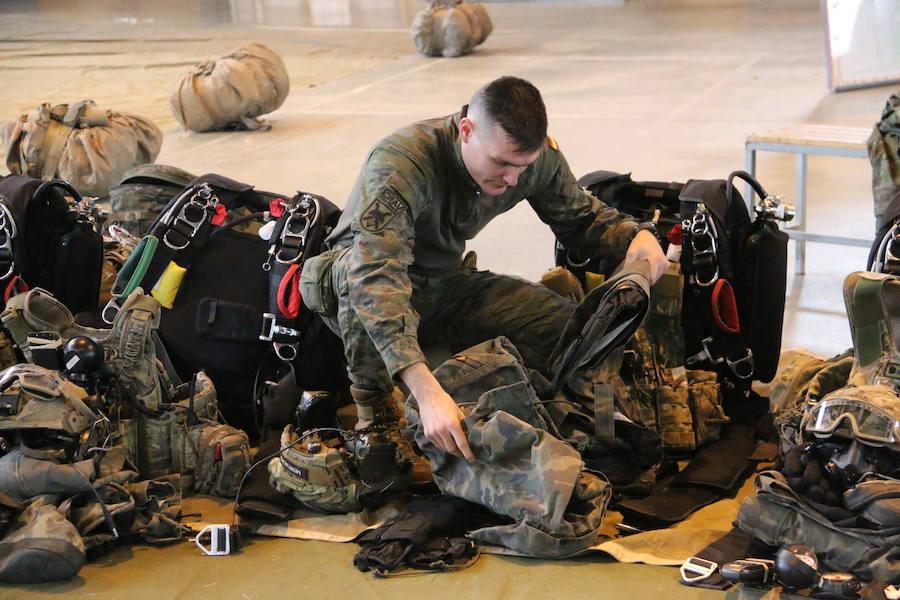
(645, 246)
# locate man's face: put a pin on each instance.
(491, 156)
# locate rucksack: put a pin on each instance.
(45, 242)
(233, 306)
(735, 269)
(450, 28)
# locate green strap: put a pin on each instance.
(137, 264)
(866, 317)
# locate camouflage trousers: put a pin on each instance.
(457, 310)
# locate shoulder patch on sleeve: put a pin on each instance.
(382, 211)
(552, 143)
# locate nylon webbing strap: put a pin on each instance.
(55, 139)
(867, 318)
(604, 408)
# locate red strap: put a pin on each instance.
(219, 217)
(290, 283)
(15, 286)
(724, 307)
(218, 455)
(276, 207)
(676, 235)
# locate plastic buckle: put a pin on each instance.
(697, 569)
(738, 365)
(270, 328)
(219, 540)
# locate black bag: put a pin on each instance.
(45, 242)
(884, 255)
(724, 255)
(226, 317)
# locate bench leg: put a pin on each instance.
(800, 218)
(750, 167)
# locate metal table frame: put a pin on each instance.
(798, 231)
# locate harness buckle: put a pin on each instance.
(109, 312)
(703, 245)
(193, 213)
(697, 569)
(270, 328)
(8, 232)
(743, 367)
(286, 352)
(296, 227)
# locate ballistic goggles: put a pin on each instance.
(867, 413)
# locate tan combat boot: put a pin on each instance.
(381, 414)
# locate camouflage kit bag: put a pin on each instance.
(451, 28)
(223, 457)
(232, 91)
(884, 154)
(142, 193)
(778, 516)
(80, 142)
(559, 505)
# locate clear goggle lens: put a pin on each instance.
(852, 418)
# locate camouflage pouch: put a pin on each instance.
(8, 356)
(223, 459)
(707, 413)
(316, 285)
(873, 307)
(41, 546)
(85, 512)
(676, 423)
(779, 517)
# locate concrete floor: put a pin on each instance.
(665, 89)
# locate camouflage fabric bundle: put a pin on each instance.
(451, 28)
(231, 91)
(779, 516)
(142, 193)
(873, 306)
(558, 506)
(884, 154)
(86, 145)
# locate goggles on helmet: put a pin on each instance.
(851, 418)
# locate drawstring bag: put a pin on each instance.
(82, 143)
(451, 28)
(230, 92)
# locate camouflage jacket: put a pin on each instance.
(413, 207)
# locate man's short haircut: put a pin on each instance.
(515, 105)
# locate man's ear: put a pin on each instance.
(466, 129)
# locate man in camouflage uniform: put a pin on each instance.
(400, 279)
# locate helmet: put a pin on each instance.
(869, 414)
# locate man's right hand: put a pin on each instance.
(441, 417)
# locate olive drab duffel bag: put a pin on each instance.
(86, 145)
(229, 93)
(47, 242)
(884, 154)
(451, 28)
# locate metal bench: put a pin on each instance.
(803, 140)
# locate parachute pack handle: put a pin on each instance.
(58, 183)
(289, 298)
(749, 179)
(724, 307)
(135, 267)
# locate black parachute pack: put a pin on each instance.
(234, 308)
(734, 267)
(48, 242)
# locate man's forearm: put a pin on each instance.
(420, 381)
